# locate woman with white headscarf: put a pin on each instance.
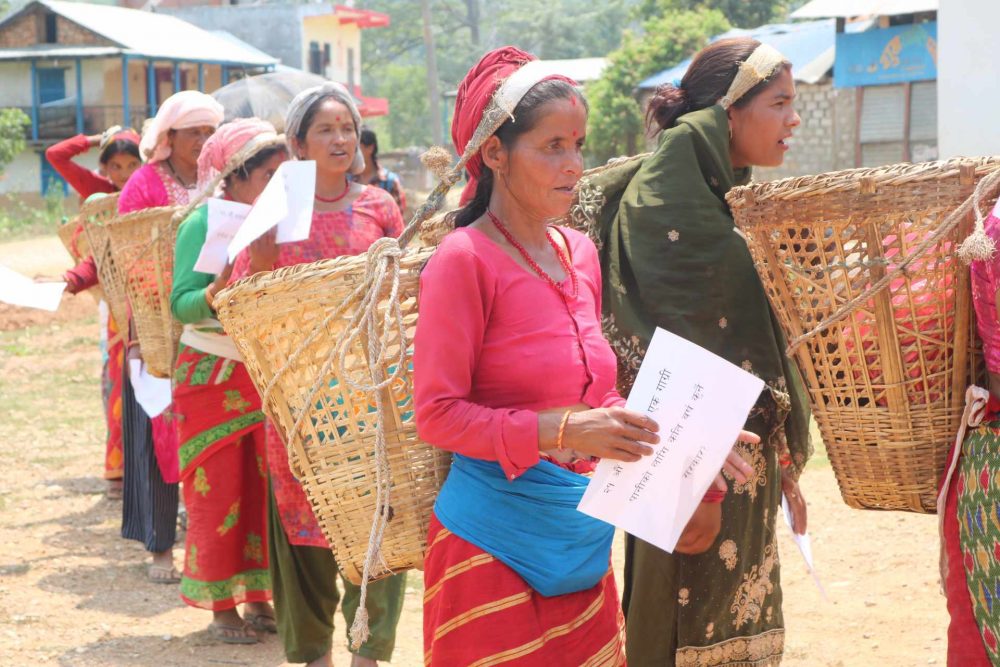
(323, 124)
(171, 145)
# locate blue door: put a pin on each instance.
(51, 84)
(51, 88)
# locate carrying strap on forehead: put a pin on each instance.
(760, 66)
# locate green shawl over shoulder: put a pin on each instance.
(671, 257)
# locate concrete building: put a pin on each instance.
(77, 67)
(968, 90)
(320, 38)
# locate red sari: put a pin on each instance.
(221, 431)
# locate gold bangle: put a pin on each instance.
(562, 429)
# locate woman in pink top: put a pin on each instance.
(513, 374)
(969, 503)
(322, 124)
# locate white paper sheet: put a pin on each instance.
(20, 290)
(287, 202)
(152, 393)
(224, 220)
(701, 402)
(803, 543)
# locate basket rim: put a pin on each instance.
(89, 208)
(850, 180)
(141, 214)
(249, 287)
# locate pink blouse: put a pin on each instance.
(985, 282)
(150, 186)
(495, 345)
(373, 215)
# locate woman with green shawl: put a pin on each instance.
(672, 258)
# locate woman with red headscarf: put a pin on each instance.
(220, 425)
(513, 375)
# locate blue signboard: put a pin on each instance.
(890, 55)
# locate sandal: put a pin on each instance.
(262, 622)
(232, 634)
(159, 574)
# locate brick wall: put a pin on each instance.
(22, 32)
(825, 140)
(28, 31)
(68, 32)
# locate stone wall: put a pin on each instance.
(825, 140)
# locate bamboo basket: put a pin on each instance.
(95, 215)
(285, 324)
(74, 238)
(886, 375)
(142, 246)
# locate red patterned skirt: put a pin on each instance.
(111, 390)
(223, 468)
(478, 611)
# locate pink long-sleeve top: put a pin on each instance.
(985, 283)
(496, 344)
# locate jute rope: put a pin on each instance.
(977, 246)
(382, 273)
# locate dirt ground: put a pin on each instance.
(73, 593)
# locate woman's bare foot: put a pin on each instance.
(114, 489)
(162, 570)
(260, 616)
(229, 628)
(325, 661)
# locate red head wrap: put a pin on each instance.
(474, 95)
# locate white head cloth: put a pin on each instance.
(761, 64)
(305, 100)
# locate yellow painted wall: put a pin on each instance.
(327, 29)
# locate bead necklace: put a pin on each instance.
(334, 200)
(563, 260)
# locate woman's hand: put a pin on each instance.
(608, 433)
(264, 252)
(701, 529)
(217, 285)
(736, 465)
(796, 502)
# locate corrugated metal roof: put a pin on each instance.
(809, 46)
(847, 8)
(58, 51)
(150, 35)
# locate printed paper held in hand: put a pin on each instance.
(701, 402)
(287, 201)
(224, 220)
(19, 290)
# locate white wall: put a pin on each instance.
(968, 78)
(22, 175)
(15, 84)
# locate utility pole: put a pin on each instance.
(432, 76)
(472, 16)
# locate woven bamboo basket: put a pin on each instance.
(886, 372)
(73, 238)
(94, 216)
(288, 319)
(142, 246)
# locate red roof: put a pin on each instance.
(365, 18)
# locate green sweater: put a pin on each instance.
(187, 298)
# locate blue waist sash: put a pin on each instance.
(530, 524)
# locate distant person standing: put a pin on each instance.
(374, 174)
(118, 159)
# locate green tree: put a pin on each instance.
(13, 126)
(616, 124)
(740, 13)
